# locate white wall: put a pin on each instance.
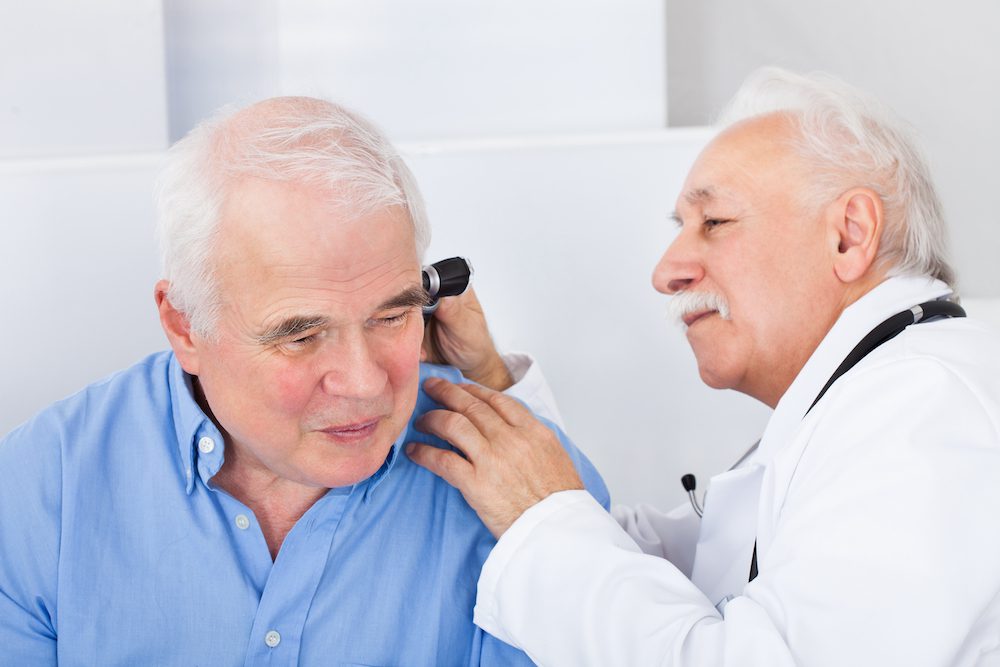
(81, 78)
(428, 70)
(936, 63)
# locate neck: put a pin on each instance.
(277, 503)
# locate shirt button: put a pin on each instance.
(272, 638)
(206, 445)
(242, 522)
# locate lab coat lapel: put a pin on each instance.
(728, 530)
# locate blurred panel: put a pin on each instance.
(438, 69)
(77, 268)
(217, 53)
(81, 77)
(446, 68)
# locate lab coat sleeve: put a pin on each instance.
(671, 535)
(874, 558)
(566, 584)
(531, 387)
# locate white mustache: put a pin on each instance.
(684, 303)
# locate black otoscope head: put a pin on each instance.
(449, 277)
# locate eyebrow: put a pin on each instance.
(700, 195)
(409, 298)
(292, 326)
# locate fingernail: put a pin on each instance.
(410, 448)
(432, 382)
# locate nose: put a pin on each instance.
(353, 368)
(679, 268)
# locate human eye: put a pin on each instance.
(299, 342)
(711, 223)
(392, 320)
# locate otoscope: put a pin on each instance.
(449, 277)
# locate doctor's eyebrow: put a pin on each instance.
(290, 327)
(700, 195)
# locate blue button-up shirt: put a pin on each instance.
(115, 548)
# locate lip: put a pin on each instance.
(691, 318)
(354, 431)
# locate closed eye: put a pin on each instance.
(394, 320)
(300, 343)
(712, 223)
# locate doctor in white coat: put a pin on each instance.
(862, 531)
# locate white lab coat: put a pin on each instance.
(876, 518)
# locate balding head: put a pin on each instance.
(299, 140)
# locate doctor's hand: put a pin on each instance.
(457, 335)
(512, 460)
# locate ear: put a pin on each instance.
(856, 220)
(175, 324)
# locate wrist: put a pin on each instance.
(494, 375)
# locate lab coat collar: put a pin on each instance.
(888, 298)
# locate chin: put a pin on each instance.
(716, 378)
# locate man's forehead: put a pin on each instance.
(739, 160)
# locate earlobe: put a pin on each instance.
(177, 328)
(857, 227)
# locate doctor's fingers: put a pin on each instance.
(510, 409)
(456, 429)
(484, 414)
(446, 464)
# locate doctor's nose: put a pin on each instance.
(353, 369)
(679, 269)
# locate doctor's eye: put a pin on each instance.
(712, 223)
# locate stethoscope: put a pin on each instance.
(887, 330)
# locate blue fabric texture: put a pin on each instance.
(116, 550)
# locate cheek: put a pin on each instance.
(402, 360)
(288, 389)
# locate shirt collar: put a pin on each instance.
(888, 298)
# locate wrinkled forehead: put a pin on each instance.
(282, 224)
(750, 156)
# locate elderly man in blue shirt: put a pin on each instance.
(244, 499)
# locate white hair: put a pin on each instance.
(850, 139)
(294, 139)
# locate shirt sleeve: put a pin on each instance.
(30, 498)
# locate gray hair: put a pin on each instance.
(850, 139)
(293, 139)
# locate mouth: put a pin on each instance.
(693, 317)
(353, 432)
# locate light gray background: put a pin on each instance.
(538, 132)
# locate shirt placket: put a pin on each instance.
(276, 635)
